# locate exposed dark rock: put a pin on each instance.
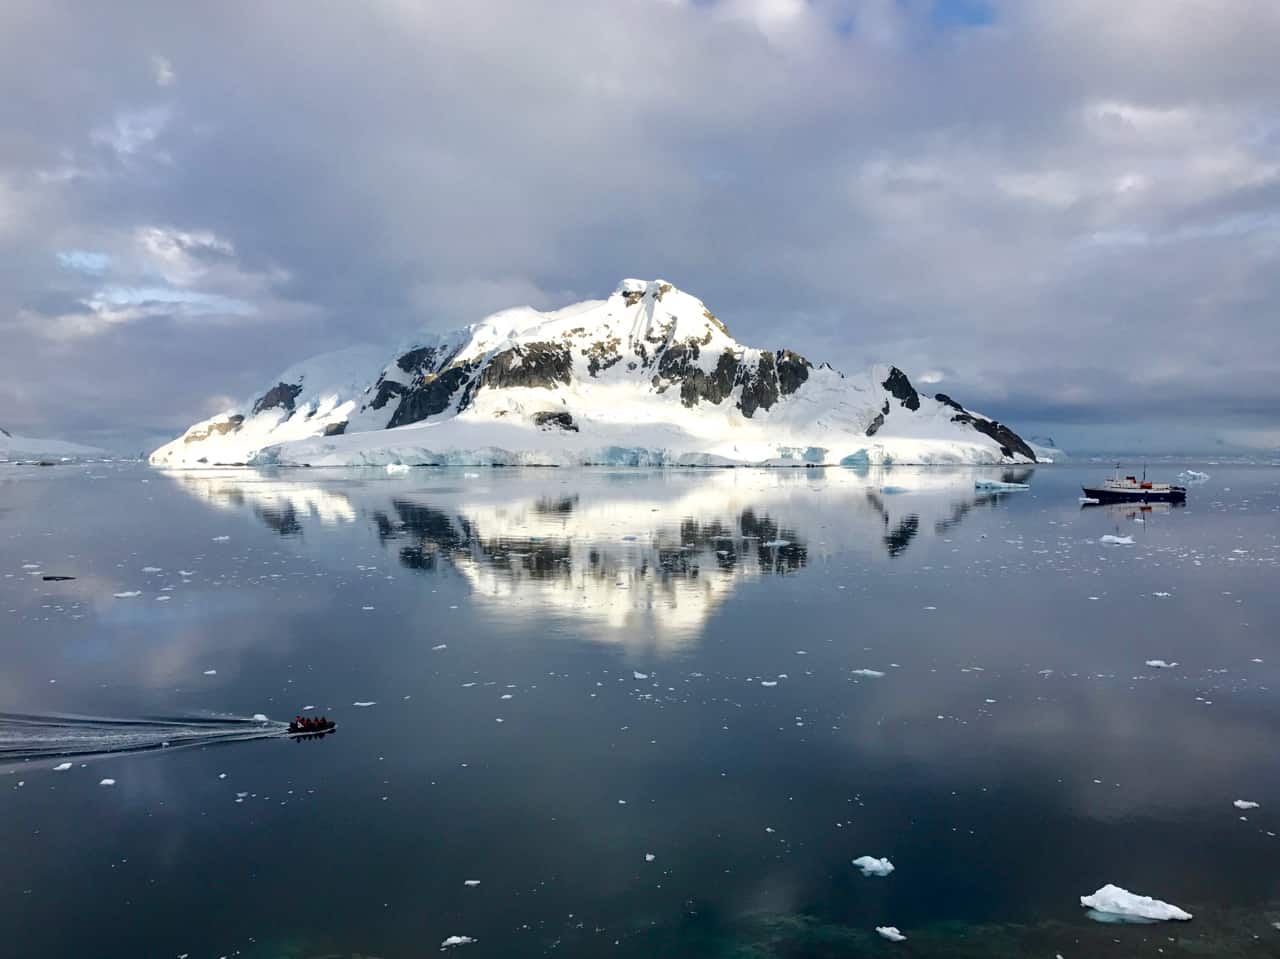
(602, 355)
(793, 370)
(418, 359)
(430, 395)
(559, 420)
(875, 424)
(901, 388)
(229, 425)
(386, 390)
(759, 387)
(281, 395)
(715, 387)
(538, 364)
(335, 429)
(1010, 442)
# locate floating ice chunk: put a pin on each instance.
(186, 572)
(649, 857)
(128, 594)
(456, 941)
(871, 866)
(1193, 476)
(776, 542)
(211, 672)
(998, 485)
(260, 718)
(152, 569)
(1162, 595)
(1114, 904)
(107, 782)
(396, 469)
(471, 882)
(61, 767)
(365, 704)
(870, 673)
(1245, 804)
(891, 933)
(638, 675)
(441, 646)
(1111, 540)
(769, 682)
(1160, 664)
(221, 539)
(1089, 501)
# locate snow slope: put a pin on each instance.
(648, 376)
(14, 447)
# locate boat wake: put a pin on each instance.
(24, 737)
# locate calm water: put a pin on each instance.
(573, 671)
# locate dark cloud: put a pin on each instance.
(1068, 211)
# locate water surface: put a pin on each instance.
(574, 671)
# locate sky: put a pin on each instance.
(1064, 213)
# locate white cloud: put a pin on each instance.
(162, 71)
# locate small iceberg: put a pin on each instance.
(1160, 664)
(891, 933)
(999, 485)
(1193, 476)
(396, 469)
(1111, 540)
(1245, 804)
(1089, 501)
(1113, 904)
(456, 941)
(871, 866)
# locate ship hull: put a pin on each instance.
(1174, 494)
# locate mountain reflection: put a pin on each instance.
(637, 557)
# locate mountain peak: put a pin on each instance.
(648, 374)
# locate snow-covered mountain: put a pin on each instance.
(649, 376)
(14, 447)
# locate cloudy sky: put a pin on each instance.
(1067, 211)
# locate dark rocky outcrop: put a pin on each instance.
(536, 365)
(793, 371)
(901, 388)
(558, 420)
(1009, 441)
(230, 424)
(281, 395)
(431, 394)
(602, 355)
(759, 386)
(417, 359)
(335, 429)
(386, 390)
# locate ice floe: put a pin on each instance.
(128, 594)
(1112, 540)
(1113, 904)
(62, 767)
(107, 782)
(871, 866)
(869, 673)
(365, 704)
(991, 485)
(1245, 804)
(1160, 664)
(396, 469)
(456, 941)
(891, 933)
